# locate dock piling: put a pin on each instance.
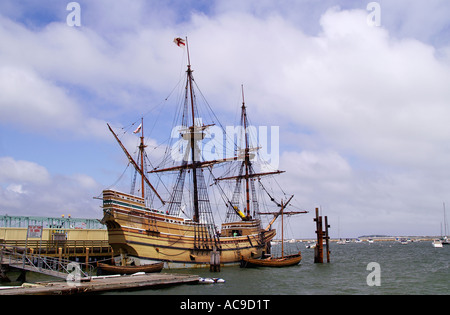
(214, 261)
(327, 239)
(318, 250)
(87, 258)
(3, 276)
(321, 236)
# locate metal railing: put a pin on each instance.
(50, 222)
(58, 267)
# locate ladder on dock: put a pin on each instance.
(16, 257)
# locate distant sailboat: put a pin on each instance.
(444, 237)
(341, 241)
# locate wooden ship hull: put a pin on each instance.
(146, 236)
(286, 261)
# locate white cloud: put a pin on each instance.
(22, 171)
(34, 103)
(18, 189)
(363, 110)
(27, 188)
(381, 98)
(85, 181)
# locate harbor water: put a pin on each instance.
(416, 268)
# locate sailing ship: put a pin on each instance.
(182, 232)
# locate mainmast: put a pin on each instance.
(192, 130)
(246, 152)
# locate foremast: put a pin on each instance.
(139, 169)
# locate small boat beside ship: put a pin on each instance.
(284, 261)
(128, 270)
(270, 261)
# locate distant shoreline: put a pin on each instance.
(374, 238)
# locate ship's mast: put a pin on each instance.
(141, 150)
(282, 206)
(246, 152)
(246, 172)
(192, 130)
(135, 165)
(282, 229)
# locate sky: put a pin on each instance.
(360, 94)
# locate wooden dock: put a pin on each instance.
(101, 284)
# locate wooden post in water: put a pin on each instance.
(214, 265)
(3, 276)
(59, 256)
(87, 259)
(327, 239)
(318, 250)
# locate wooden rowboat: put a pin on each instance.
(285, 261)
(110, 269)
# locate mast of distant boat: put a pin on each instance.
(445, 221)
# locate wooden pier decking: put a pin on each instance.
(101, 284)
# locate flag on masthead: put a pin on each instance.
(179, 42)
(138, 129)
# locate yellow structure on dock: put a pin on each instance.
(61, 237)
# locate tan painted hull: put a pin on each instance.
(150, 235)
